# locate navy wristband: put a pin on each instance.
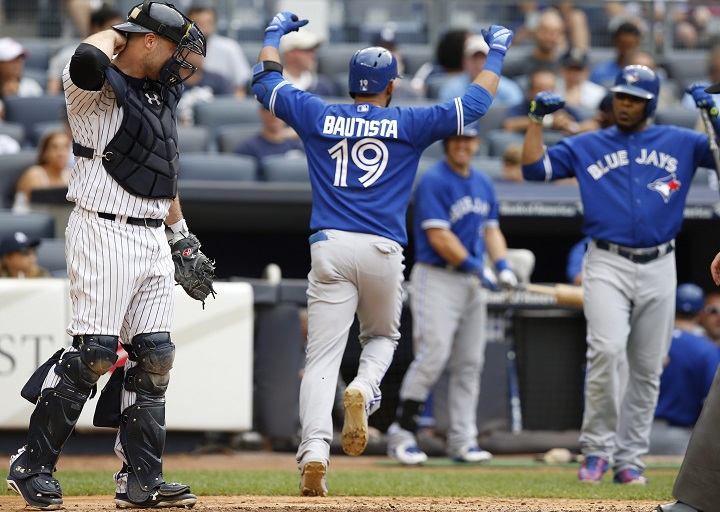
(494, 62)
(471, 265)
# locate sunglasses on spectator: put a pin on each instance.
(712, 310)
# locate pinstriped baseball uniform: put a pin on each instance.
(135, 293)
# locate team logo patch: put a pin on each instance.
(188, 252)
(631, 77)
(152, 97)
(666, 186)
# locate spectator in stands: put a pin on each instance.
(12, 67)
(574, 84)
(512, 168)
(709, 317)
(387, 38)
(713, 74)
(299, 53)
(201, 87)
(474, 57)
(50, 169)
(549, 38)
(224, 55)
(448, 60)
(567, 120)
(625, 39)
(8, 145)
(687, 376)
(576, 26)
(17, 257)
(100, 19)
(275, 138)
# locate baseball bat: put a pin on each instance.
(565, 294)
(712, 139)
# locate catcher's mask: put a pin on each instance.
(165, 20)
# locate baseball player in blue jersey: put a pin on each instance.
(362, 159)
(455, 219)
(697, 486)
(687, 376)
(634, 179)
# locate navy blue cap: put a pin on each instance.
(17, 242)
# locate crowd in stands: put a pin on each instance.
(553, 51)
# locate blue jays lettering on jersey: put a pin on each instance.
(362, 158)
(464, 205)
(686, 380)
(644, 176)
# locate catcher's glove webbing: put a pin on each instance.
(193, 270)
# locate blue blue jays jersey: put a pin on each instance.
(687, 377)
(464, 205)
(362, 158)
(633, 186)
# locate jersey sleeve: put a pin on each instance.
(81, 100)
(560, 160)
(430, 208)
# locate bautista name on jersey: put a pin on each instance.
(359, 127)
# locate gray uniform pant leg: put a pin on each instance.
(698, 482)
(629, 314)
(350, 272)
(449, 312)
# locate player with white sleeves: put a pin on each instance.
(634, 179)
(362, 160)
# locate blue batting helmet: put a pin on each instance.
(639, 81)
(689, 298)
(371, 70)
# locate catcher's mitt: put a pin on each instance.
(193, 270)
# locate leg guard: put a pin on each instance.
(142, 425)
(55, 415)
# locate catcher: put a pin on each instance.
(122, 112)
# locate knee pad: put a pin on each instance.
(154, 354)
(95, 355)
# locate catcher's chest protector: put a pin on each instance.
(143, 155)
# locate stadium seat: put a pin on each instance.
(286, 169)
(40, 129)
(14, 130)
(34, 224)
(414, 56)
(51, 256)
(229, 136)
(11, 167)
(335, 58)
(492, 166)
(30, 111)
(224, 110)
(493, 119)
(497, 140)
(217, 167)
(678, 116)
(435, 150)
(193, 139)
(683, 66)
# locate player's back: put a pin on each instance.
(363, 160)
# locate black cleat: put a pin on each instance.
(40, 491)
(164, 496)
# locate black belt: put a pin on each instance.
(135, 221)
(637, 255)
